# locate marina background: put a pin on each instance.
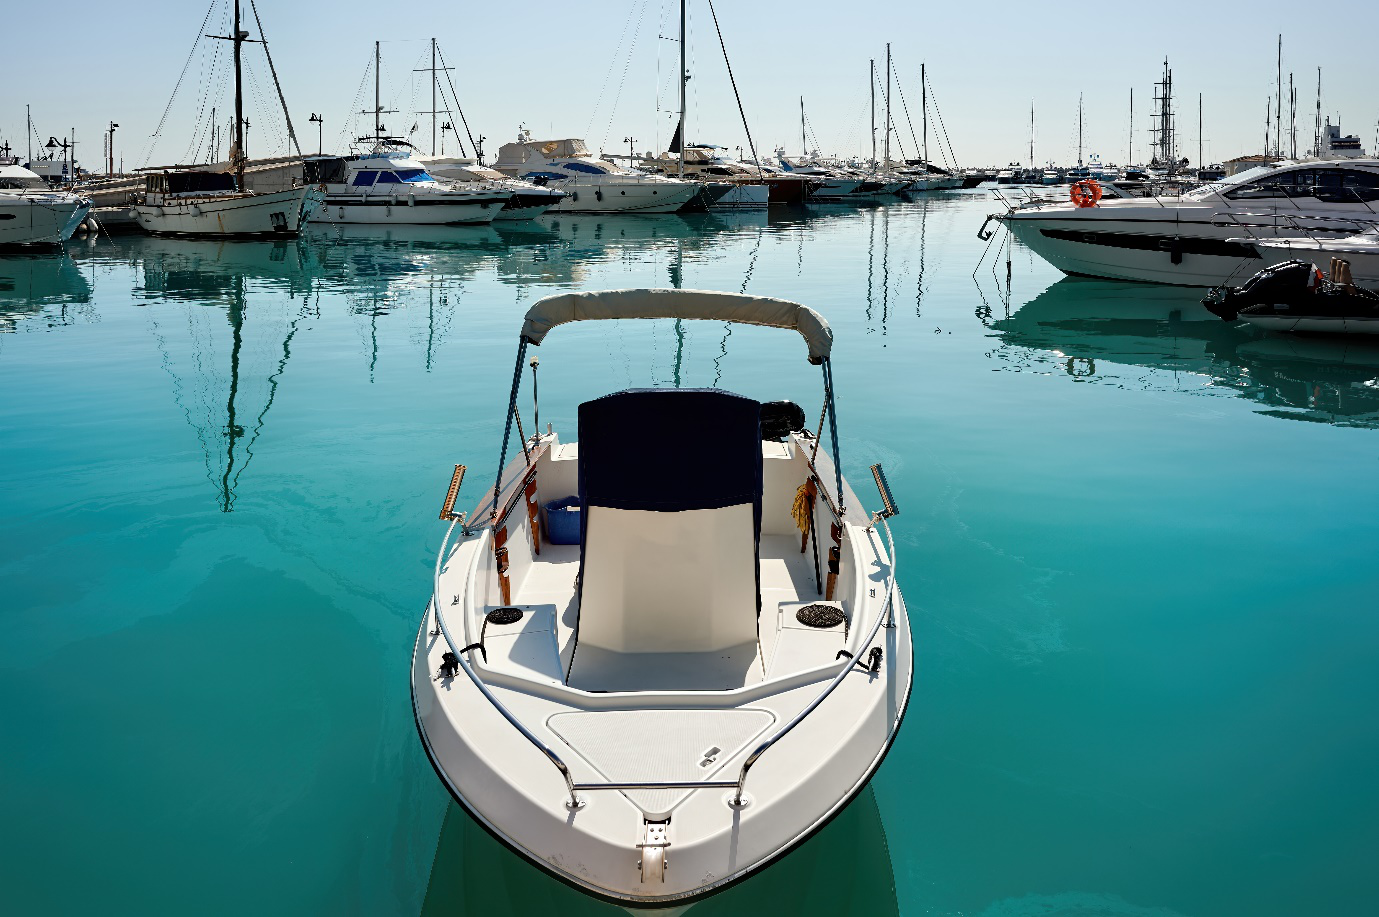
(1145, 651)
(600, 71)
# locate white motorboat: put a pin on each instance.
(33, 214)
(207, 202)
(657, 693)
(528, 201)
(390, 186)
(1195, 239)
(591, 185)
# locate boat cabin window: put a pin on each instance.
(413, 175)
(1346, 186)
(364, 178)
(331, 171)
(190, 182)
(387, 178)
(1282, 184)
(584, 167)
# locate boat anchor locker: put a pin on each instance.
(655, 840)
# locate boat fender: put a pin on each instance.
(1085, 193)
(598, 194)
(411, 200)
(874, 659)
(574, 196)
(1175, 250)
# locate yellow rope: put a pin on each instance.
(801, 508)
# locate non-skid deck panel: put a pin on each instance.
(644, 746)
(598, 669)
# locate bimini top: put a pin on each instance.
(692, 304)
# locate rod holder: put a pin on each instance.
(448, 513)
(887, 500)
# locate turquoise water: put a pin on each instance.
(1138, 546)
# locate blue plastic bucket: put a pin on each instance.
(562, 521)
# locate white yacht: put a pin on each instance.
(592, 185)
(528, 201)
(1206, 236)
(654, 671)
(33, 214)
(390, 186)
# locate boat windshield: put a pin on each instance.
(1238, 178)
(584, 167)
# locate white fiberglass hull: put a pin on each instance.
(281, 213)
(1363, 256)
(40, 218)
(1145, 240)
(518, 794)
(624, 196)
(423, 209)
(836, 188)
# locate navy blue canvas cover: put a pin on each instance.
(670, 450)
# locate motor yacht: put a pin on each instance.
(528, 201)
(390, 186)
(654, 671)
(592, 185)
(33, 214)
(1207, 235)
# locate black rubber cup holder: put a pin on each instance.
(821, 616)
(506, 615)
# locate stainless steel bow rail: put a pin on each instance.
(884, 616)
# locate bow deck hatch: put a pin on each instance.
(642, 746)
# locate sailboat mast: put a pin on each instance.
(1292, 119)
(1316, 135)
(1201, 163)
(1278, 113)
(433, 97)
(1130, 148)
(873, 113)
(1031, 134)
(1079, 129)
(886, 146)
(684, 79)
(377, 90)
(241, 152)
(924, 108)
(804, 141)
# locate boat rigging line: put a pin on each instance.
(200, 33)
(751, 144)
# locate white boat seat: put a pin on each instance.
(669, 589)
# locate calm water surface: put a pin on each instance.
(1139, 546)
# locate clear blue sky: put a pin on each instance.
(597, 69)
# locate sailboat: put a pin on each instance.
(688, 663)
(202, 202)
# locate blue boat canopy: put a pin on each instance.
(556, 310)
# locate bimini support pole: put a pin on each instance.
(835, 551)
(507, 426)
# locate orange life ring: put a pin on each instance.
(1085, 193)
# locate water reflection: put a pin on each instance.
(844, 869)
(1101, 331)
(42, 291)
